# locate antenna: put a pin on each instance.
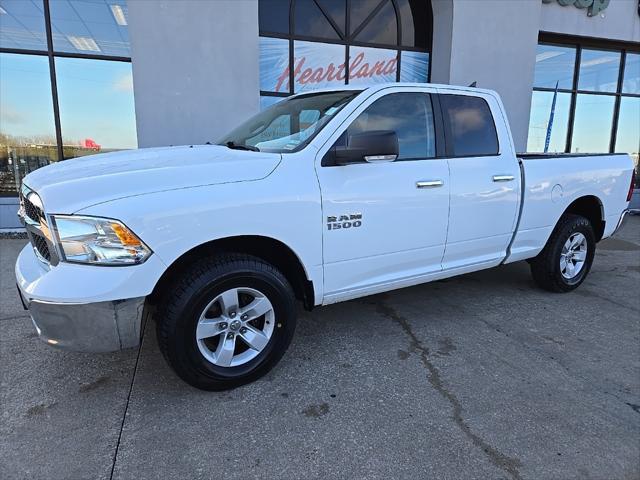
(474, 85)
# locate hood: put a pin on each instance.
(71, 185)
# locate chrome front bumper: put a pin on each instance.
(88, 327)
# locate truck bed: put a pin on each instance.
(551, 182)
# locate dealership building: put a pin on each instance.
(80, 77)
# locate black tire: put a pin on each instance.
(545, 268)
(177, 319)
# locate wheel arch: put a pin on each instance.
(268, 249)
(590, 207)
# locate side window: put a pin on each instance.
(409, 115)
(469, 125)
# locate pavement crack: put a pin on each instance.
(499, 459)
(126, 406)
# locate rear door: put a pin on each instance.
(484, 179)
(384, 222)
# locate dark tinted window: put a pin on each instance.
(310, 21)
(470, 125)
(382, 28)
(409, 115)
(274, 16)
(415, 20)
(359, 12)
(337, 11)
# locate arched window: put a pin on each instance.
(310, 44)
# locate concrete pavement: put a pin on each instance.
(482, 376)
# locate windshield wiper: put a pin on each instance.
(235, 146)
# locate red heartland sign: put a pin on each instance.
(357, 69)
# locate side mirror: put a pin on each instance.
(373, 147)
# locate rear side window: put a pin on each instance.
(469, 125)
(409, 115)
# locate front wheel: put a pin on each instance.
(566, 259)
(227, 321)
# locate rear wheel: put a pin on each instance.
(566, 259)
(227, 321)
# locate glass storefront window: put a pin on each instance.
(274, 17)
(631, 81)
(541, 103)
(337, 11)
(274, 65)
(311, 22)
(599, 70)
(318, 65)
(96, 106)
(94, 97)
(554, 65)
(414, 67)
(360, 10)
(382, 28)
(628, 138)
(22, 25)
(339, 42)
(27, 129)
(372, 65)
(592, 123)
(586, 105)
(414, 16)
(94, 27)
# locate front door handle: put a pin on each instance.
(503, 178)
(429, 183)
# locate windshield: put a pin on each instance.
(288, 125)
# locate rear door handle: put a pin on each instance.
(429, 183)
(503, 178)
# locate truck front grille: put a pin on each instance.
(40, 245)
(35, 222)
(32, 211)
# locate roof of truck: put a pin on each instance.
(382, 86)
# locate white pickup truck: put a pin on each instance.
(323, 197)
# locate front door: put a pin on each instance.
(385, 223)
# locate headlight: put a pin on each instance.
(99, 241)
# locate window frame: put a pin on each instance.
(580, 44)
(347, 39)
(51, 54)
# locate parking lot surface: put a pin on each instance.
(480, 376)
